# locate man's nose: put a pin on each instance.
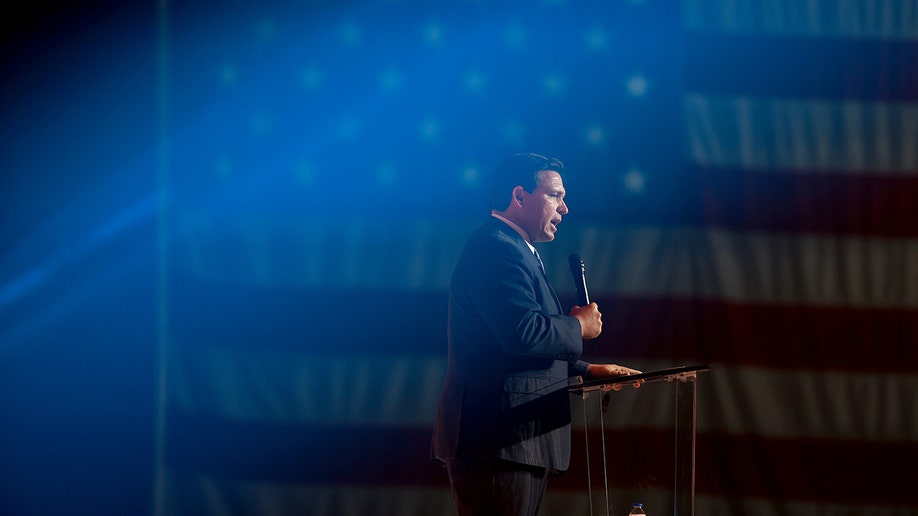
(562, 208)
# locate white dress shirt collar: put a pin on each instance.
(515, 228)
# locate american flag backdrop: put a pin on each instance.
(743, 183)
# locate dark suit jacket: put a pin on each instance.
(511, 352)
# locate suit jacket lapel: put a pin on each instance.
(535, 261)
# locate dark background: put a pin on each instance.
(77, 372)
(110, 109)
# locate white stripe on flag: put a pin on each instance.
(221, 496)
(886, 19)
(389, 391)
(802, 134)
(225, 497)
(712, 263)
(288, 386)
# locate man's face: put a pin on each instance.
(543, 207)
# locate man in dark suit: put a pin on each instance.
(504, 419)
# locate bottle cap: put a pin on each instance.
(638, 505)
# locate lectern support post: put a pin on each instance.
(685, 446)
(684, 378)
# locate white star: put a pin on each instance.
(391, 80)
(429, 129)
(266, 29)
(261, 124)
(514, 133)
(634, 181)
(595, 135)
(348, 128)
(386, 174)
(229, 75)
(351, 34)
(554, 84)
(637, 85)
(515, 37)
(597, 38)
(432, 33)
(305, 172)
(224, 166)
(311, 78)
(471, 174)
(474, 81)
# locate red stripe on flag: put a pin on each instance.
(779, 336)
(726, 63)
(726, 465)
(808, 469)
(856, 472)
(808, 201)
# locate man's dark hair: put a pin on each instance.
(519, 170)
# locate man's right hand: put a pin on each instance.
(590, 320)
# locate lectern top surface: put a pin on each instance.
(647, 376)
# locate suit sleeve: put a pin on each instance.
(578, 368)
(510, 293)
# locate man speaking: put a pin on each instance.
(504, 421)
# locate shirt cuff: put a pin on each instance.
(578, 368)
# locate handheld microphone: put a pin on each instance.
(579, 273)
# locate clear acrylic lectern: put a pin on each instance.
(683, 378)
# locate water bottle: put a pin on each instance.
(637, 508)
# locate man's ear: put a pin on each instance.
(518, 193)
